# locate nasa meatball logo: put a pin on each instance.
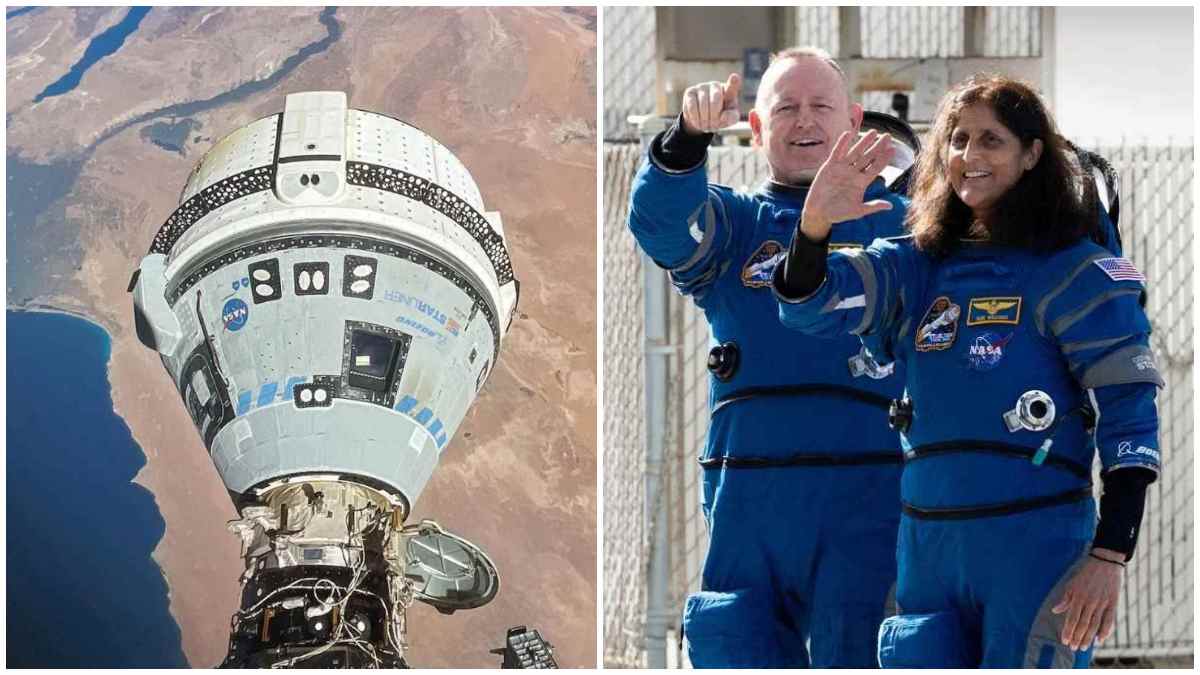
(939, 327)
(987, 351)
(234, 314)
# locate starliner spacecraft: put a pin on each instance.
(329, 297)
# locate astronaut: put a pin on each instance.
(1025, 351)
(800, 469)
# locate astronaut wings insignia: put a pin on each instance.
(984, 311)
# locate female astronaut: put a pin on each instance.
(1025, 347)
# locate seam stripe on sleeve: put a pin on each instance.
(859, 261)
(1120, 367)
(1081, 345)
(1039, 314)
(1066, 321)
(710, 234)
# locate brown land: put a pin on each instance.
(512, 92)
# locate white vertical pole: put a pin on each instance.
(1049, 44)
(657, 353)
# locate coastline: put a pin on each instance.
(201, 617)
(43, 308)
(152, 558)
(91, 234)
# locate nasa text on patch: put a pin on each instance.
(987, 350)
(758, 269)
(235, 314)
(1004, 309)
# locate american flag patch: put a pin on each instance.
(1120, 269)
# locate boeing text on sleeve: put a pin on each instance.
(1026, 353)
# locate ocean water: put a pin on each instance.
(82, 589)
(102, 45)
(12, 13)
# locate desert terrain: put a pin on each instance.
(94, 172)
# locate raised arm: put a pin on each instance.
(853, 292)
(677, 219)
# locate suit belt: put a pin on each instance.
(870, 398)
(857, 459)
(1004, 509)
(996, 448)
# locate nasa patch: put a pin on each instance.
(939, 327)
(981, 311)
(234, 314)
(757, 271)
(987, 351)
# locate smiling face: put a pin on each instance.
(801, 109)
(984, 159)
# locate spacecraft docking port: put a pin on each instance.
(329, 297)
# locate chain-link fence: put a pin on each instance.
(941, 32)
(1012, 31)
(911, 32)
(914, 33)
(1156, 222)
(629, 69)
(626, 521)
(816, 27)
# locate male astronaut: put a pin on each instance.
(800, 469)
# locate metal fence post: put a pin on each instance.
(658, 351)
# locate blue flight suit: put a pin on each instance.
(801, 471)
(993, 528)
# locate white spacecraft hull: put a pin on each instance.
(302, 242)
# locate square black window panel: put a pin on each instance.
(311, 278)
(358, 277)
(372, 360)
(264, 280)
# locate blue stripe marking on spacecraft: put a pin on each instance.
(243, 402)
(291, 385)
(406, 404)
(270, 392)
(266, 395)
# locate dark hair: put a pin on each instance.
(1048, 208)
